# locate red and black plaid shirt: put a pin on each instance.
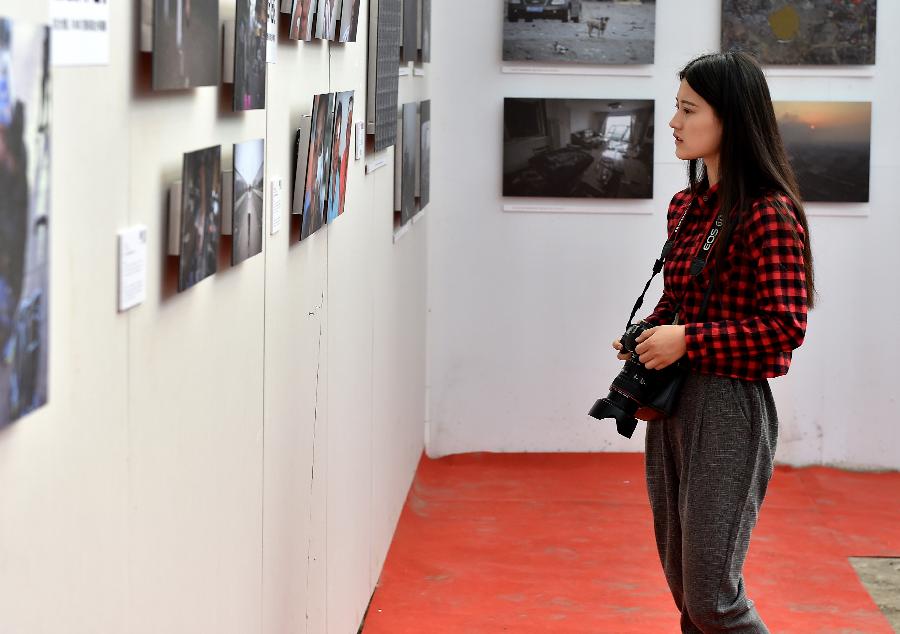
(757, 312)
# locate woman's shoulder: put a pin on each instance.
(679, 201)
(773, 211)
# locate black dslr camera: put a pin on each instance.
(637, 392)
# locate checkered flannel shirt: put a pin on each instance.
(757, 313)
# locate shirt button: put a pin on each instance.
(705, 198)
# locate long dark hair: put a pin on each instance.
(752, 160)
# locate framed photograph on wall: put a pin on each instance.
(247, 205)
(383, 80)
(424, 190)
(303, 13)
(807, 32)
(578, 148)
(828, 144)
(250, 33)
(318, 165)
(25, 141)
(340, 153)
(349, 22)
(185, 44)
(201, 216)
(579, 32)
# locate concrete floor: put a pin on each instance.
(881, 576)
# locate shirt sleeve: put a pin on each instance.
(778, 304)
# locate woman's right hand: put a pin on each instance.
(622, 356)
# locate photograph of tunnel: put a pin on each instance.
(185, 44)
(828, 145)
(247, 215)
(811, 32)
(25, 108)
(578, 148)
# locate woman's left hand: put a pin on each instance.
(661, 346)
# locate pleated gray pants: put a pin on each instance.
(708, 467)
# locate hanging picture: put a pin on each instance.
(326, 20)
(25, 109)
(247, 209)
(185, 44)
(409, 120)
(828, 143)
(383, 81)
(578, 148)
(349, 23)
(801, 32)
(250, 31)
(303, 16)
(318, 164)
(201, 215)
(425, 44)
(576, 32)
(410, 30)
(424, 153)
(340, 153)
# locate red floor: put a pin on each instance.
(564, 543)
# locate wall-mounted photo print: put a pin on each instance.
(579, 32)
(801, 32)
(384, 81)
(340, 153)
(410, 146)
(425, 45)
(410, 45)
(424, 153)
(326, 20)
(303, 16)
(828, 143)
(349, 22)
(250, 54)
(578, 148)
(25, 109)
(201, 215)
(185, 44)
(247, 212)
(318, 165)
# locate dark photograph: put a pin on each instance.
(25, 109)
(185, 44)
(247, 210)
(340, 153)
(302, 20)
(828, 144)
(425, 45)
(410, 139)
(410, 44)
(384, 82)
(807, 32)
(250, 55)
(349, 23)
(326, 20)
(578, 148)
(579, 31)
(424, 153)
(318, 165)
(201, 215)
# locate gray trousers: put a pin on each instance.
(708, 467)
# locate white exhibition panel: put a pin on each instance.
(522, 307)
(233, 458)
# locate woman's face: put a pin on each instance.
(697, 129)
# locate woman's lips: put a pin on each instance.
(678, 139)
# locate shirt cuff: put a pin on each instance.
(693, 341)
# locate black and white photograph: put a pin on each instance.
(247, 210)
(578, 148)
(579, 31)
(340, 154)
(250, 55)
(318, 165)
(303, 15)
(425, 44)
(410, 43)
(186, 50)
(410, 139)
(424, 153)
(326, 19)
(25, 110)
(384, 81)
(349, 22)
(201, 215)
(828, 144)
(801, 32)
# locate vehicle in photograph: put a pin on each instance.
(528, 10)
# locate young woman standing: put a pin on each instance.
(708, 465)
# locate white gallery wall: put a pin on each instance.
(234, 458)
(523, 307)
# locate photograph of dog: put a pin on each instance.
(596, 24)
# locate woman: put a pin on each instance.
(709, 464)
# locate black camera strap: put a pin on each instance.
(697, 265)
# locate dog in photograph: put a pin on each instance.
(596, 24)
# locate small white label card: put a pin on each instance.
(272, 33)
(360, 139)
(80, 32)
(132, 267)
(276, 205)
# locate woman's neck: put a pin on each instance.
(711, 167)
